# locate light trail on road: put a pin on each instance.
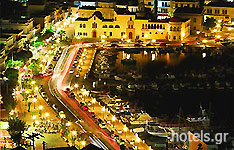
(60, 85)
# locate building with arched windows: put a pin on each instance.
(123, 24)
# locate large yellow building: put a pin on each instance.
(122, 24)
(196, 15)
(220, 11)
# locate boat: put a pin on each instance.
(137, 76)
(119, 79)
(155, 129)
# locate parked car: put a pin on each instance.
(92, 114)
(71, 71)
(85, 108)
(43, 94)
(77, 75)
(103, 125)
(72, 95)
(162, 44)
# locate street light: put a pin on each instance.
(33, 82)
(74, 133)
(76, 85)
(93, 101)
(103, 109)
(125, 130)
(36, 88)
(138, 139)
(34, 100)
(83, 143)
(47, 114)
(68, 123)
(113, 120)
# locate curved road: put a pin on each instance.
(58, 84)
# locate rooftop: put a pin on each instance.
(177, 19)
(221, 4)
(189, 10)
(5, 36)
(124, 11)
(10, 31)
(185, 0)
(88, 7)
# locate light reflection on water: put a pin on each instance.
(171, 59)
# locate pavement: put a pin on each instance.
(118, 127)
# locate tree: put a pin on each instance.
(12, 64)
(34, 68)
(12, 75)
(209, 23)
(16, 129)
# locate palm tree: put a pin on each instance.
(16, 129)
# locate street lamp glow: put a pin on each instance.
(40, 107)
(36, 88)
(138, 139)
(218, 25)
(218, 36)
(103, 36)
(103, 108)
(37, 122)
(34, 99)
(41, 65)
(68, 123)
(124, 36)
(44, 60)
(47, 114)
(198, 32)
(146, 36)
(215, 30)
(62, 116)
(27, 92)
(153, 40)
(219, 21)
(34, 117)
(125, 129)
(204, 41)
(103, 41)
(229, 29)
(182, 34)
(93, 100)
(113, 118)
(83, 143)
(128, 40)
(76, 85)
(33, 82)
(25, 67)
(74, 133)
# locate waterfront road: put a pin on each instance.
(57, 86)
